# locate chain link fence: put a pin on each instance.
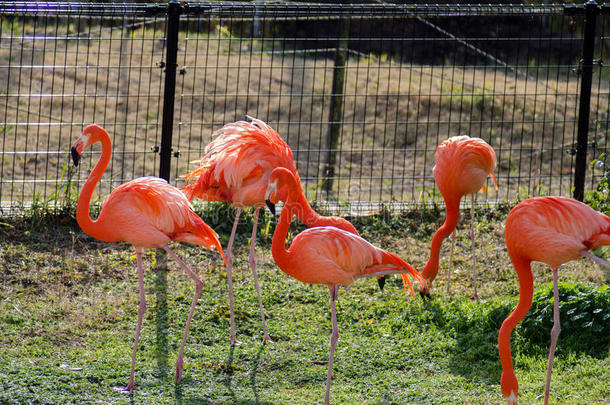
(362, 93)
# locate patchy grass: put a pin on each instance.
(68, 307)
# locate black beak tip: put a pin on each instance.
(381, 282)
(271, 206)
(424, 295)
(75, 156)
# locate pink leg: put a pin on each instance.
(266, 337)
(333, 289)
(198, 288)
(554, 335)
(596, 259)
(141, 311)
(450, 270)
(229, 257)
(475, 296)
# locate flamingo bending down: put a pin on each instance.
(462, 165)
(146, 212)
(551, 230)
(326, 255)
(235, 169)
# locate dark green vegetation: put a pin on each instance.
(68, 308)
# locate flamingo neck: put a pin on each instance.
(508, 380)
(88, 225)
(303, 210)
(278, 244)
(307, 215)
(453, 214)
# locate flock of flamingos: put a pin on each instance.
(248, 164)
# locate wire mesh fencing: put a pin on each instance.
(362, 93)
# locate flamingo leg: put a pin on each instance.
(198, 288)
(554, 335)
(450, 270)
(333, 289)
(266, 337)
(475, 296)
(596, 259)
(229, 257)
(141, 311)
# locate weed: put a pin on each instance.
(584, 315)
(599, 199)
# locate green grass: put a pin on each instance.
(68, 308)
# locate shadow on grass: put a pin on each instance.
(229, 367)
(228, 370)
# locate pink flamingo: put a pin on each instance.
(235, 169)
(326, 255)
(462, 165)
(551, 230)
(146, 212)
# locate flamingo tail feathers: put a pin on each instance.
(391, 263)
(202, 235)
(199, 186)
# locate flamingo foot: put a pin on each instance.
(127, 389)
(235, 342)
(267, 338)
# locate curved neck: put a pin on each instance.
(453, 214)
(83, 218)
(278, 243)
(301, 207)
(526, 291)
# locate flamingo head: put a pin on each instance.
(280, 182)
(90, 135)
(510, 386)
(424, 290)
(270, 198)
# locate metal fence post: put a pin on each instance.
(591, 11)
(169, 91)
(169, 94)
(336, 107)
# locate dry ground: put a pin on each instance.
(395, 113)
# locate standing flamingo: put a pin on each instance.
(462, 165)
(551, 230)
(146, 212)
(235, 169)
(326, 255)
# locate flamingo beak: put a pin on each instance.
(271, 188)
(381, 282)
(75, 155)
(271, 206)
(425, 295)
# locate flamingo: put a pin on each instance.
(462, 165)
(326, 255)
(146, 212)
(551, 230)
(235, 169)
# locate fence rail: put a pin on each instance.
(363, 93)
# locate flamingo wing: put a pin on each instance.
(555, 230)
(149, 212)
(328, 255)
(237, 163)
(462, 165)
